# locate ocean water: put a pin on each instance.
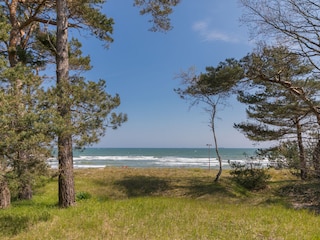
(155, 157)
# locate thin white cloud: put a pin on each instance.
(207, 34)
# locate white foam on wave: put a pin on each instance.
(149, 161)
(114, 158)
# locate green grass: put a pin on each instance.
(129, 203)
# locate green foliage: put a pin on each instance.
(91, 107)
(87, 13)
(274, 110)
(91, 111)
(221, 79)
(159, 10)
(217, 81)
(24, 127)
(290, 151)
(5, 28)
(83, 195)
(249, 177)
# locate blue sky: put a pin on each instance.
(141, 66)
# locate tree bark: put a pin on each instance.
(303, 162)
(65, 154)
(25, 191)
(5, 196)
(213, 116)
(25, 183)
(316, 159)
(14, 34)
(66, 181)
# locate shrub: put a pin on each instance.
(83, 196)
(249, 177)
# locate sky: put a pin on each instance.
(141, 66)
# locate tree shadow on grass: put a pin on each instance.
(302, 195)
(140, 186)
(199, 188)
(193, 187)
(13, 224)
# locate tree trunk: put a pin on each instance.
(65, 158)
(66, 181)
(213, 116)
(21, 169)
(220, 169)
(25, 191)
(316, 159)
(14, 33)
(5, 196)
(303, 162)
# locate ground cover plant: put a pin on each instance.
(127, 203)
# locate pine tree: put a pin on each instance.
(23, 128)
(282, 98)
(211, 89)
(25, 24)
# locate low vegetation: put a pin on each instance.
(126, 203)
(249, 177)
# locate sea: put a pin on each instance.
(157, 157)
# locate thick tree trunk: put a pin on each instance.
(65, 158)
(5, 196)
(66, 180)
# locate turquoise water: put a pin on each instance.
(155, 157)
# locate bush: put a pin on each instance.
(83, 196)
(249, 177)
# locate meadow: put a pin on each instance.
(129, 203)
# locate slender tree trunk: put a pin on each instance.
(303, 163)
(25, 184)
(65, 155)
(213, 116)
(25, 191)
(316, 159)
(14, 33)
(5, 196)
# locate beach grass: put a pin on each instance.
(127, 203)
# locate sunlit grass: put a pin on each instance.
(158, 204)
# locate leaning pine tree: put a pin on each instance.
(210, 89)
